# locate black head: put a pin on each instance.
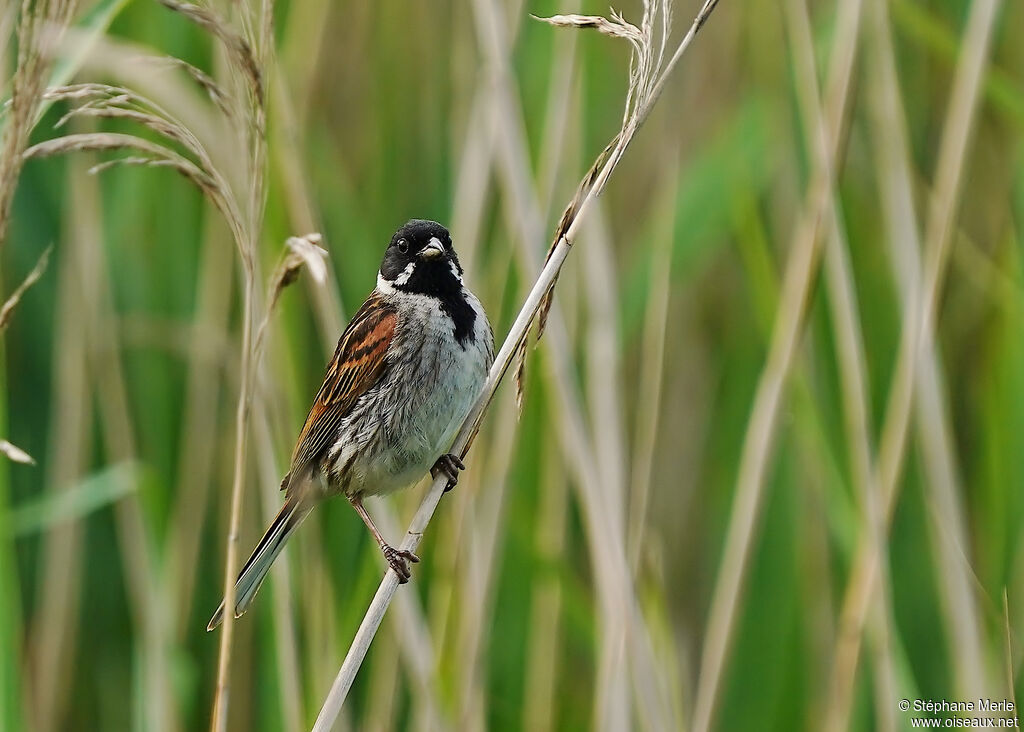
(420, 259)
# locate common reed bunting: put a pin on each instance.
(403, 378)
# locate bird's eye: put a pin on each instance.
(403, 246)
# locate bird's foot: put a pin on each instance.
(449, 464)
(397, 559)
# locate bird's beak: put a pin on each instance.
(433, 249)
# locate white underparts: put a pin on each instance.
(400, 427)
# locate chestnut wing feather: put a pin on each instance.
(358, 363)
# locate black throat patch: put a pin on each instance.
(435, 279)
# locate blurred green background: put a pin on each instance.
(121, 375)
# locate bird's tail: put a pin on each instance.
(255, 570)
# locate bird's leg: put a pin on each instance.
(396, 557)
(450, 465)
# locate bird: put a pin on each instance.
(404, 376)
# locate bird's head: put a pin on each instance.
(421, 260)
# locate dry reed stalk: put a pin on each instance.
(222, 696)
(319, 621)
(842, 293)
(384, 692)
(417, 649)
(603, 367)
(759, 440)
(626, 644)
(146, 593)
(473, 180)
(297, 64)
(851, 361)
(1010, 684)
(486, 534)
(647, 78)
(198, 442)
(299, 201)
(54, 625)
(561, 99)
(289, 676)
(541, 677)
(652, 346)
(542, 663)
(949, 528)
(298, 252)
(916, 348)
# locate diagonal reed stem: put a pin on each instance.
(386, 591)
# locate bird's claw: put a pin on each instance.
(448, 464)
(397, 558)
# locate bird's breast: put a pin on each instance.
(402, 426)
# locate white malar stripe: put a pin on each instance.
(388, 288)
(405, 274)
(383, 286)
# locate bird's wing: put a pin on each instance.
(358, 363)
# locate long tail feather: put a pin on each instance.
(255, 570)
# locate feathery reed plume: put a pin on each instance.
(221, 97)
(40, 27)
(300, 251)
(647, 78)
